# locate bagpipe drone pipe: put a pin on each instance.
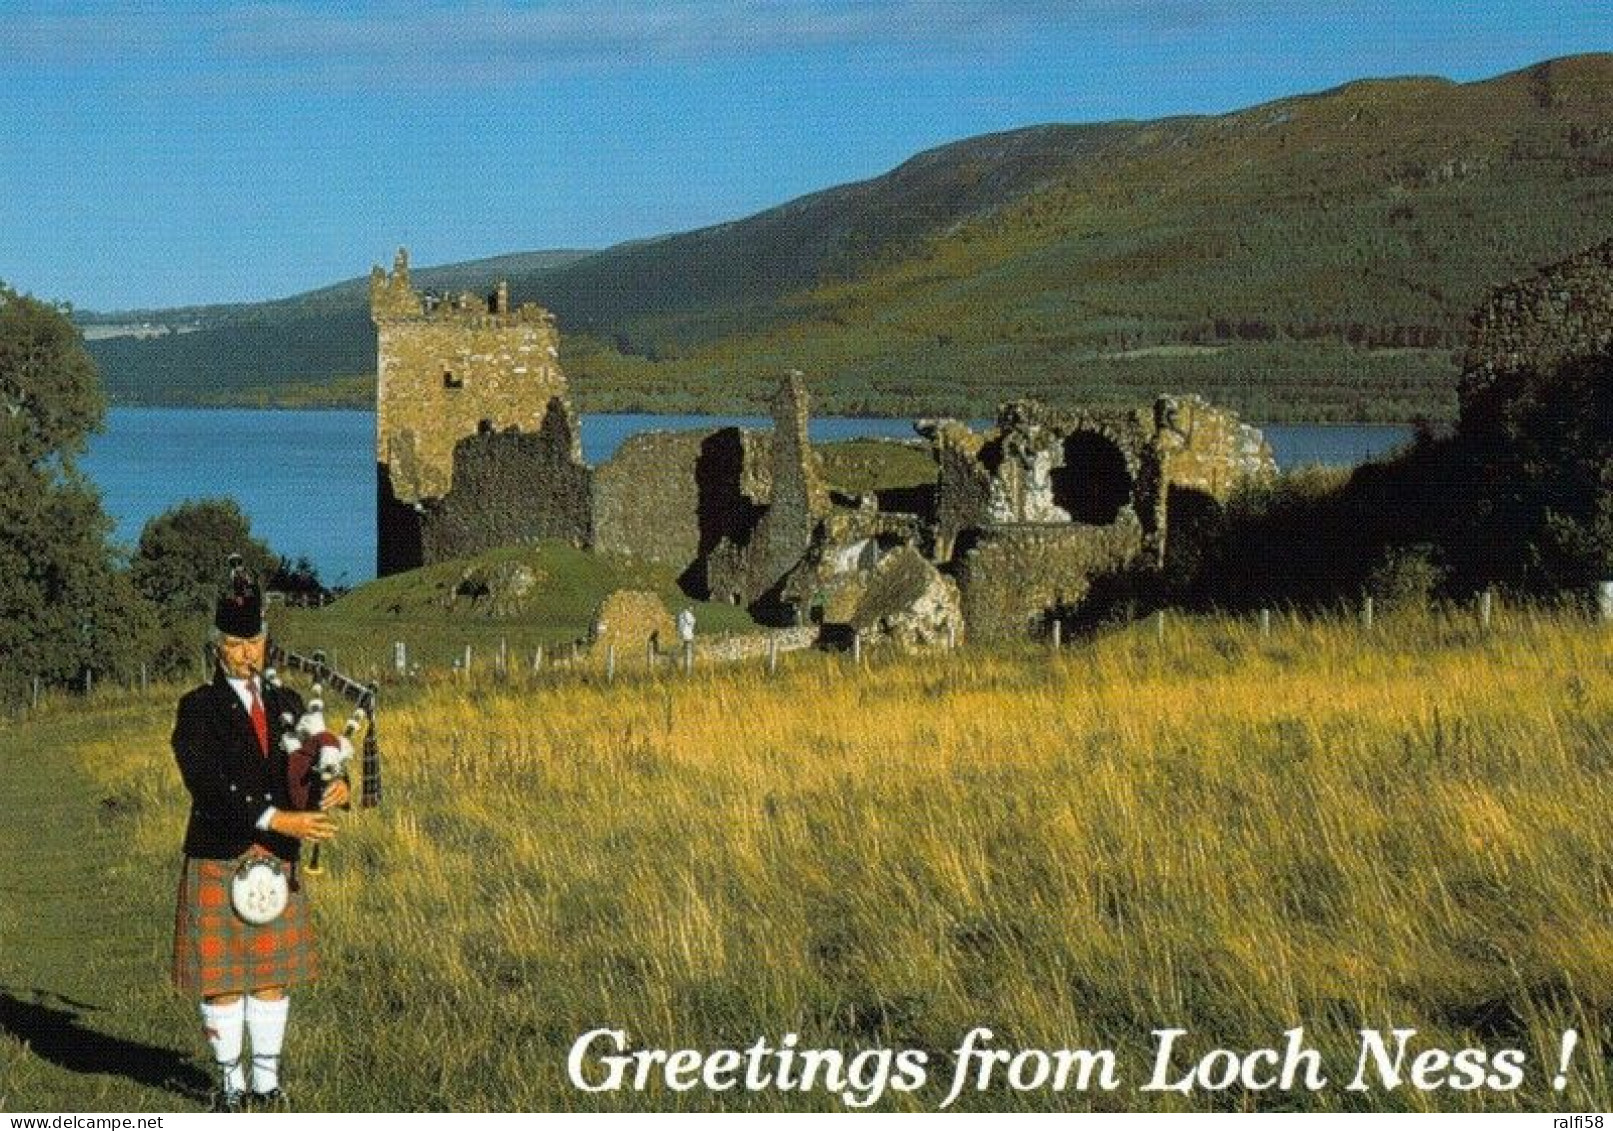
(362, 696)
(315, 754)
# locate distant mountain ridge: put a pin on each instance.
(453, 276)
(1315, 257)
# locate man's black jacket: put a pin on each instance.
(231, 781)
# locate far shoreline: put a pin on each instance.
(759, 414)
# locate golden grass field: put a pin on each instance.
(1231, 835)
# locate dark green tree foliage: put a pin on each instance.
(180, 561)
(64, 608)
(1541, 449)
(180, 565)
(1519, 497)
(297, 579)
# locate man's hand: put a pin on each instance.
(336, 795)
(303, 825)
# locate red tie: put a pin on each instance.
(260, 721)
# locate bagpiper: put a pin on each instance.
(242, 935)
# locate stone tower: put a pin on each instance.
(448, 367)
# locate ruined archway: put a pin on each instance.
(1095, 481)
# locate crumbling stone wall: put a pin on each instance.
(1564, 310)
(907, 601)
(751, 571)
(646, 501)
(1049, 499)
(963, 488)
(511, 487)
(850, 542)
(673, 497)
(447, 367)
(1208, 449)
(1201, 455)
(1013, 578)
(1041, 465)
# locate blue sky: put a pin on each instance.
(156, 154)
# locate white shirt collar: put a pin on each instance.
(241, 689)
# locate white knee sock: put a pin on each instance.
(222, 1023)
(266, 1023)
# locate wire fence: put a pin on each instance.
(365, 669)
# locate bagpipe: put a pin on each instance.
(317, 755)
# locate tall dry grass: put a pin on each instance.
(1217, 832)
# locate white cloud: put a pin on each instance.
(596, 31)
(390, 41)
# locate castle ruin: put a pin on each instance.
(471, 412)
(477, 446)
(1563, 310)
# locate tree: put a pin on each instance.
(299, 578)
(180, 566)
(1542, 450)
(180, 561)
(50, 393)
(65, 610)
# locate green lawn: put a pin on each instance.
(87, 1020)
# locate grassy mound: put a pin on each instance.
(439, 609)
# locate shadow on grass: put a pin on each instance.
(57, 1033)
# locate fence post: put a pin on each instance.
(1265, 624)
(467, 663)
(89, 681)
(772, 655)
(1058, 635)
(688, 657)
(1484, 610)
(1159, 626)
(503, 657)
(400, 656)
(143, 680)
(537, 659)
(952, 637)
(857, 646)
(1366, 611)
(1604, 600)
(610, 663)
(649, 654)
(35, 705)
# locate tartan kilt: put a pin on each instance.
(218, 952)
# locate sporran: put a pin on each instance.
(259, 890)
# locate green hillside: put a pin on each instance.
(1311, 258)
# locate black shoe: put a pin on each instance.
(272, 1100)
(225, 1101)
